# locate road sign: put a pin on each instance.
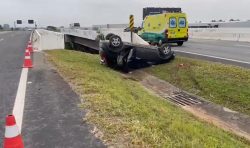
(30, 21)
(131, 26)
(19, 21)
(131, 22)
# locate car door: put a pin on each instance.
(172, 31)
(182, 27)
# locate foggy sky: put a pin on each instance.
(89, 12)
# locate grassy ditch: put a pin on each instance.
(130, 116)
(226, 85)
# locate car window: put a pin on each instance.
(172, 22)
(182, 22)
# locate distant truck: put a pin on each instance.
(75, 25)
(165, 28)
(52, 28)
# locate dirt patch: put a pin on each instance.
(202, 114)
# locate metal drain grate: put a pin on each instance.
(184, 99)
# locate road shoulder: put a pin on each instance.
(51, 114)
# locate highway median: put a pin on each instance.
(125, 114)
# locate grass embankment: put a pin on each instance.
(130, 116)
(226, 85)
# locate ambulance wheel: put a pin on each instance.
(179, 43)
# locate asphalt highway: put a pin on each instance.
(228, 52)
(12, 47)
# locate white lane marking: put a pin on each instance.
(221, 58)
(20, 98)
(1, 40)
(243, 46)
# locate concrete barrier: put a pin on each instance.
(230, 34)
(88, 34)
(36, 40)
(47, 40)
(126, 36)
(244, 37)
(4, 32)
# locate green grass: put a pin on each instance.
(226, 85)
(130, 116)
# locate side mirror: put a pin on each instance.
(140, 28)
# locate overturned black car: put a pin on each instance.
(117, 54)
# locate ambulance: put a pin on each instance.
(165, 28)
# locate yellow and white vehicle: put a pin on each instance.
(165, 28)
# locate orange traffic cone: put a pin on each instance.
(27, 62)
(12, 138)
(27, 52)
(30, 48)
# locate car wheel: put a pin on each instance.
(179, 43)
(103, 57)
(165, 51)
(100, 37)
(108, 36)
(107, 59)
(160, 42)
(115, 42)
(122, 63)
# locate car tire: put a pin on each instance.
(165, 51)
(115, 42)
(123, 64)
(107, 37)
(100, 37)
(179, 43)
(106, 59)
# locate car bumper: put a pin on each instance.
(175, 40)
